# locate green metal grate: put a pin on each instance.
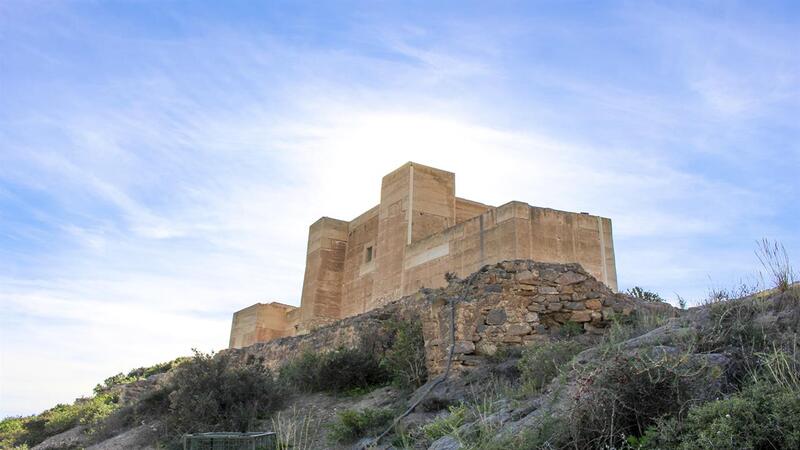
(229, 441)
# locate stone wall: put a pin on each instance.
(518, 303)
(349, 332)
(511, 303)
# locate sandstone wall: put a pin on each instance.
(418, 232)
(261, 322)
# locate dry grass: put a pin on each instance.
(775, 261)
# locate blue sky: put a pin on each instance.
(160, 162)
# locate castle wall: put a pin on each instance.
(416, 201)
(467, 209)
(512, 231)
(360, 263)
(419, 232)
(260, 322)
(322, 282)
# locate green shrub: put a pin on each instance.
(302, 373)
(447, 424)
(351, 424)
(138, 374)
(627, 394)
(218, 393)
(405, 358)
(542, 362)
(341, 370)
(12, 429)
(35, 429)
(643, 294)
(570, 329)
(762, 416)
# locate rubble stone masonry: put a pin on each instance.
(507, 304)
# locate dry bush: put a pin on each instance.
(296, 431)
(627, 394)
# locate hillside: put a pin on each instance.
(519, 355)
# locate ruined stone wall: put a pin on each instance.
(347, 332)
(511, 303)
(518, 303)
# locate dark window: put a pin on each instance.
(368, 256)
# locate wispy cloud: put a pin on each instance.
(162, 176)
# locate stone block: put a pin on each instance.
(575, 306)
(548, 274)
(508, 339)
(528, 277)
(581, 316)
(496, 317)
(547, 290)
(593, 304)
(485, 348)
(519, 329)
(554, 306)
(494, 288)
(570, 278)
(531, 317)
(536, 307)
(464, 347)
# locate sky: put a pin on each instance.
(160, 161)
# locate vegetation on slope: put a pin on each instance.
(725, 374)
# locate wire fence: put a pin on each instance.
(230, 441)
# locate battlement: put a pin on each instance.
(417, 233)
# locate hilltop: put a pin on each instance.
(519, 355)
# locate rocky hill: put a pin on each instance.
(519, 355)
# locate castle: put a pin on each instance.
(417, 233)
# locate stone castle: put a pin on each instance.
(417, 233)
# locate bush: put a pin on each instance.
(645, 295)
(12, 429)
(341, 370)
(627, 394)
(351, 424)
(35, 429)
(141, 373)
(218, 393)
(405, 358)
(570, 329)
(447, 424)
(763, 414)
(542, 362)
(88, 411)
